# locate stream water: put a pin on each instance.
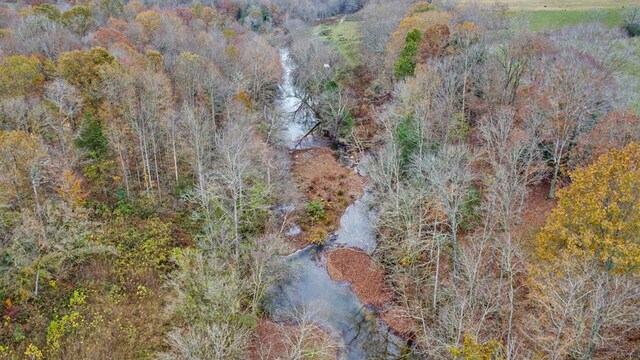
(298, 120)
(308, 291)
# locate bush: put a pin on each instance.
(315, 210)
(632, 22)
(633, 29)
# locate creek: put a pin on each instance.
(307, 291)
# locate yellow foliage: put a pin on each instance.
(20, 75)
(18, 152)
(229, 34)
(6, 33)
(71, 190)
(232, 53)
(471, 349)
(83, 69)
(32, 352)
(149, 20)
(598, 215)
(154, 59)
(245, 99)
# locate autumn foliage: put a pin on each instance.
(598, 215)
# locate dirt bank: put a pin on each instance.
(365, 277)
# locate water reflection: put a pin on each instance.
(299, 119)
(357, 226)
(309, 290)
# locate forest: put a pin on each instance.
(320, 179)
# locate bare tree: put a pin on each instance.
(199, 134)
(576, 303)
(449, 173)
(573, 95)
(68, 103)
(227, 183)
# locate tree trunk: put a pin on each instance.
(554, 180)
(18, 195)
(35, 292)
(435, 284)
(236, 240)
(597, 322)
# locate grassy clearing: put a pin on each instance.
(564, 4)
(541, 20)
(345, 34)
(551, 14)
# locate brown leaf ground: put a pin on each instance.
(321, 177)
(276, 341)
(364, 275)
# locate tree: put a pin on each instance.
(573, 92)
(149, 21)
(420, 17)
(109, 9)
(37, 34)
(229, 182)
(190, 72)
(406, 63)
(66, 102)
(20, 156)
(598, 216)
(50, 11)
(208, 298)
(632, 22)
(20, 75)
(46, 244)
(593, 237)
(145, 109)
(615, 130)
(82, 69)
(260, 69)
(79, 20)
(379, 21)
(435, 40)
(449, 173)
(198, 132)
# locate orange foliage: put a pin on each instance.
(434, 41)
(422, 21)
(118, 24)
(105, 37)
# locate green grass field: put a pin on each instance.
(552, 14)
(346, 36)
(541, 20)
(533, 5)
